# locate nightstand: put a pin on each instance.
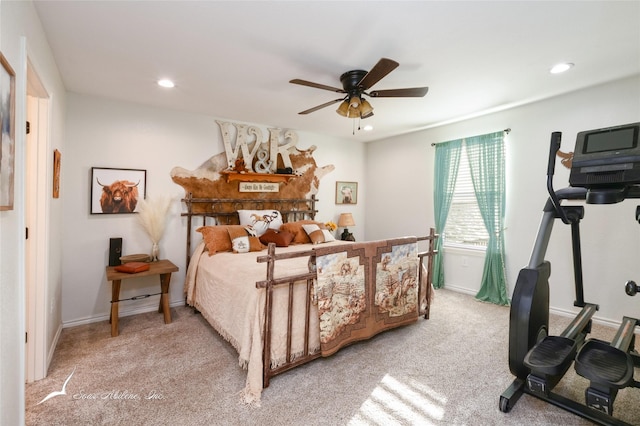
(163, 268)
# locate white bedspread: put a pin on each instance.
(223, 288)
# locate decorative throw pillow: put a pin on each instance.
(317, 235)
(216, 238)
(260, 220)
(280, 238)
(299, 234)
(243, 242)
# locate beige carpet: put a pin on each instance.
(448, 370)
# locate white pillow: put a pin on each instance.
(317, 235)
(260, 220)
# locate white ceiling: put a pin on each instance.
(234, 60)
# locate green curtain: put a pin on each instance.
(486, 163)
(445, 173)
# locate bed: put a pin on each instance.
(283, 306)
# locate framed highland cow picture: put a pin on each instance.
(117, 191)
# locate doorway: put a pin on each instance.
(36, 213)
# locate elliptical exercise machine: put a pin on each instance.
(605, 170)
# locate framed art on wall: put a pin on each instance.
(346, 192)
(117, 190)
(57, 156)
(7, 143)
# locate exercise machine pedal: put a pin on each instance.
(608, 367)
(548, 361)
(550, 358)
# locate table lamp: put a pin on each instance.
(345, 220)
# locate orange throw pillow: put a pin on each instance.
(299, 234)
(280, 238)
(216, 238)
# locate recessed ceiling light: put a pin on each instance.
(560, 68)
(368, 128)
(166, 83)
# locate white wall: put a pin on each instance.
(105, 133)
(610, 235)
(21, 36)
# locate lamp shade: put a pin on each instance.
(365, 109)
(346, 219)
(353, 112)
(343, 109)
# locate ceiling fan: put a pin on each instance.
(355, 84)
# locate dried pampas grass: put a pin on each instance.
(152, 214)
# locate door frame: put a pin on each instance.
(36, 214)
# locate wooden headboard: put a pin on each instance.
(225, 211)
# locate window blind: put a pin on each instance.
(464, 224)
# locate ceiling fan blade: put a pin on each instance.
(316, 85)
(416, 92)
(379, 70)
(321, 106)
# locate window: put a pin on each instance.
(465, 227)
(458, 208)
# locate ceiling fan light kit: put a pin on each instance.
(355, 85)
(362, 110)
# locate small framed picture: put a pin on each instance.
(8, 124)
(346, 192)
(57, 156)
(116, 191)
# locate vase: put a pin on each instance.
(155, 252)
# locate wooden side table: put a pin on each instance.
(163, 268)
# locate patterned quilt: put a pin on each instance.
(365, 288)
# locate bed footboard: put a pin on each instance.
(307, 279)
(269, 285)
(429, 254)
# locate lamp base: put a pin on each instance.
(347, 236)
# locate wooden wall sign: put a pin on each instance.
(258, 187)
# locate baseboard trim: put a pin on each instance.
(607, 322)
(460, 289)
(123, 313)
(52, 349)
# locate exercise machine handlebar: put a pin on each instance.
(556, 139)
